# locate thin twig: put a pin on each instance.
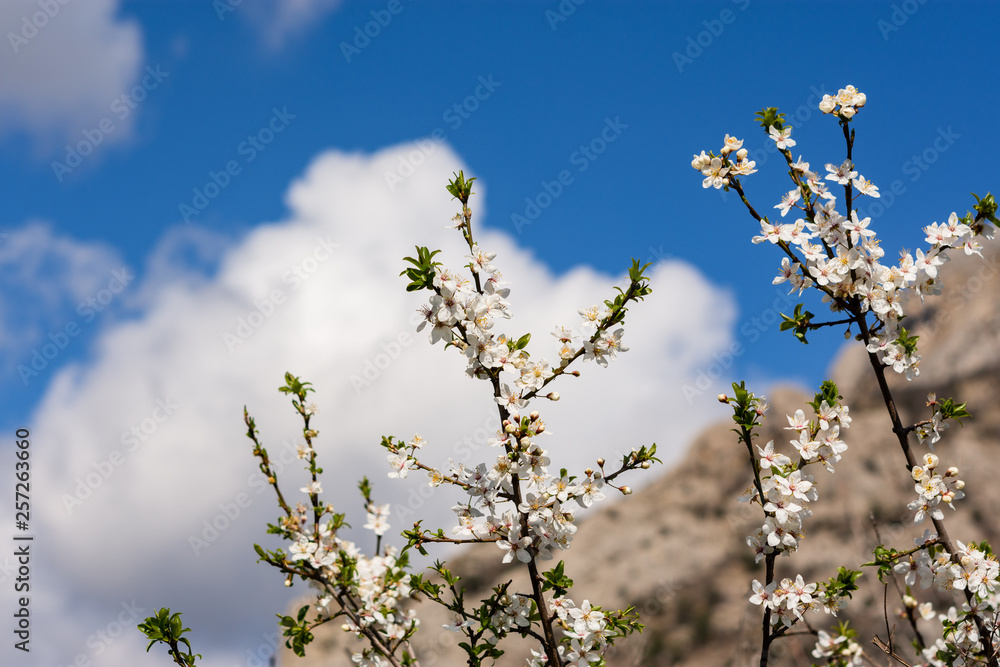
(888, 651)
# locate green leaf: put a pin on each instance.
(167, 628)
(951, 410)
(827, 392)
(460, 187)
(986, 207)
(799, 321)
(906, 341)
(769, 116)
(556, 579)
(295, 387)
(421, 274)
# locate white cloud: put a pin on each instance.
(279, 20)
(154, 422)
(52, 266)
(63, 65)
(50, 281)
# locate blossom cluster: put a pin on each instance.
(717, 172)
(587, 628)
(538, 515)
(514, 501)
(845, 103)
(787, 492)
(838, 649)
(974, 571)
(787, 489)
(462, 312)
(541, 523)
(933, 489)
(931, 432)
(839, 254)
(367, 590)
(548, 502)
(544, 521)
(376, 583)
(787, 600)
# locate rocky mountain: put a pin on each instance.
(677, 551)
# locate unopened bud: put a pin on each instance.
(345, 627)
(952, 472)
(553, 396)
(626, 491)
(534, 415)
(722, 398)
(645, 465)
(600, 462)
(288, 581)
(575, 374)
(509, 428)
(910, 602)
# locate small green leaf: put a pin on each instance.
(421, 274)
(460, 187)
(800, 322)
(769, 116)
(987, 207)
(951, 410)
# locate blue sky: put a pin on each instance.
(556, 88)
(615, 96)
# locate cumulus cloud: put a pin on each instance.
(148, 489)
(64, 66)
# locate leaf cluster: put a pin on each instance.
(167, 628)
(297, 629)
(799, 322)
(769, 116)
(421, 274)
(638, 289)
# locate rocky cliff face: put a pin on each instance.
(676, 550)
